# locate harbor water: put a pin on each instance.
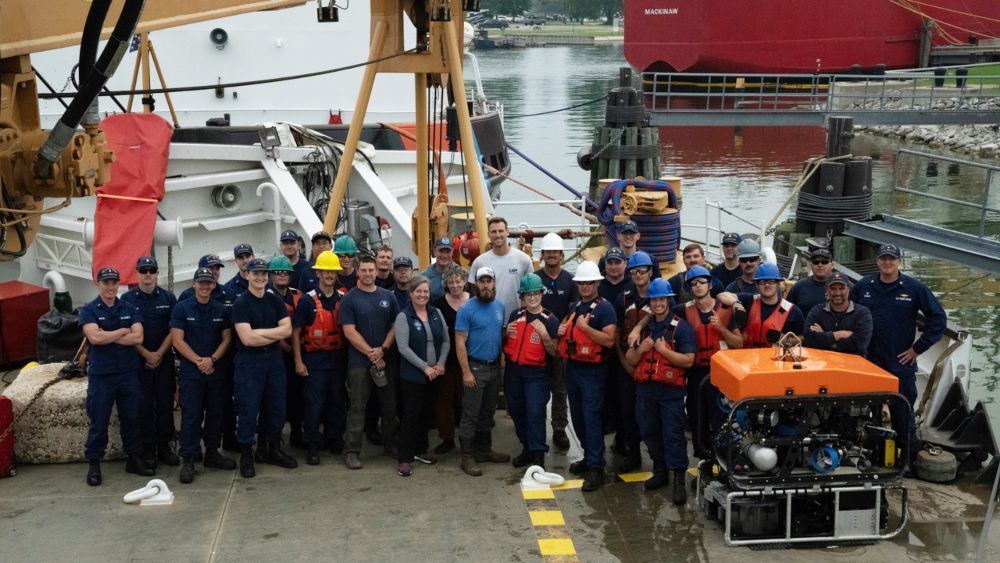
(750, 171)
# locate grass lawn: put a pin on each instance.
(559, 28)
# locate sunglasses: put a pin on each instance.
(147, 270)
(748, 260)
(820, 262)
(641, 270)
(698, 281)
(280, 273)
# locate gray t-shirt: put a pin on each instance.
(509, 269)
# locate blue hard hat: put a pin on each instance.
(660, 288)
(696, 272)
(767, 271)
(639, 259)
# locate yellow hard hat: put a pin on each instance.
(327, 261)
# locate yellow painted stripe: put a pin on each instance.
(568, 484)
(547, 518)
(556, 547)
(635, 477)
(535, 494)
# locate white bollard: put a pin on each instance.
(536, 478)
(155, 493)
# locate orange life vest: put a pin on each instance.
(525, 347)
(655, 367)
(709, 339)
(324, 332)
(632, 315)
(585, 350)
(755, 335)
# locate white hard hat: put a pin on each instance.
(552, 241)
(587, 271)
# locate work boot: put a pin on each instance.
(484, 450)
(187, 471)
(247, 470)
(260, 456)
(149, 455)
(135, 464)
(312, 454)
(444, 447)
(277, 457)
(166, 454)
(94, 473)
(658, 480)
(538, 458)
(295, 438)
(578, 468)
(680, 493)
(593, 481)
(631, 461)
(216, 460)
(469, 461)
(560, 439)
(522, 459)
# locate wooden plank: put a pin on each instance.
(631, 140)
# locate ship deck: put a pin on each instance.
(48, 513)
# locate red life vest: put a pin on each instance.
(709, 339)
(324, 332)
(755, 335)
(525, 347)
(632, 315)
(585, 349)
(655, 367)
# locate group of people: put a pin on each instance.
(347, 345)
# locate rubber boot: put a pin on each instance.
(135, 464)
(166, 454)
(94, 473)
(246, 461)
(187, 471)
(469, 461)
(484, 449)
(680, 493)
(216, 460)
(277, 457)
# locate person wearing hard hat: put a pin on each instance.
(280, 271)
(318, 347)
(156, 370)
(530, 344)
(238, 284)
(839, 324)
(748, 253)
(347, 251)
(692, 255)
(113, 328)
(769, 316)
(811, 291)
(289, 243)
(585, 342)
(657, 363)
(443, 261)
(202, 334)
(560, 291)
(478, 338)
(261, 321)
(894, 300)
(510, 265)
(729, 269)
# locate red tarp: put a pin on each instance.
(123, 228)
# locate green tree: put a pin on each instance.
(580, 9)
(506, 7)
(612, 8)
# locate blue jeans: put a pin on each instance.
(259, 378)
(660, 409)
(103, 392)
(527, 391)
(585, 386)
(324, 398)
(203, 398)
(156, 415)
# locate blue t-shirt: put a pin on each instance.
(559, 292)
(808, 293)
(111, 358)
(610, 291)
(259, 312)
(156, 308)
(373, 314)
(202, 326)
(483, 322)
(402, 297)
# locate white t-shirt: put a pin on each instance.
(509, 269)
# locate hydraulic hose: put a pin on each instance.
(88, 52)
(91, 84)
(661, 234)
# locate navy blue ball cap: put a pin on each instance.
(445, 242)
(889, 250)
(628, 227)
(731, 238)
(146, 262)
(836, 278)
(241, 249)
(203, 274)
(322, 234)
(257, 265)
(615, 253)
(288, 236)
(209, 260)
(106, 274)
(402, 262)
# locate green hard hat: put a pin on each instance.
(280, 264)
(345, 245)
(530, 283)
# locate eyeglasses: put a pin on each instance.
(820, 262)
(751, 259)
(698, 281)
(147, 270)
(640, 270)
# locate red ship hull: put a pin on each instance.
(794, 36)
